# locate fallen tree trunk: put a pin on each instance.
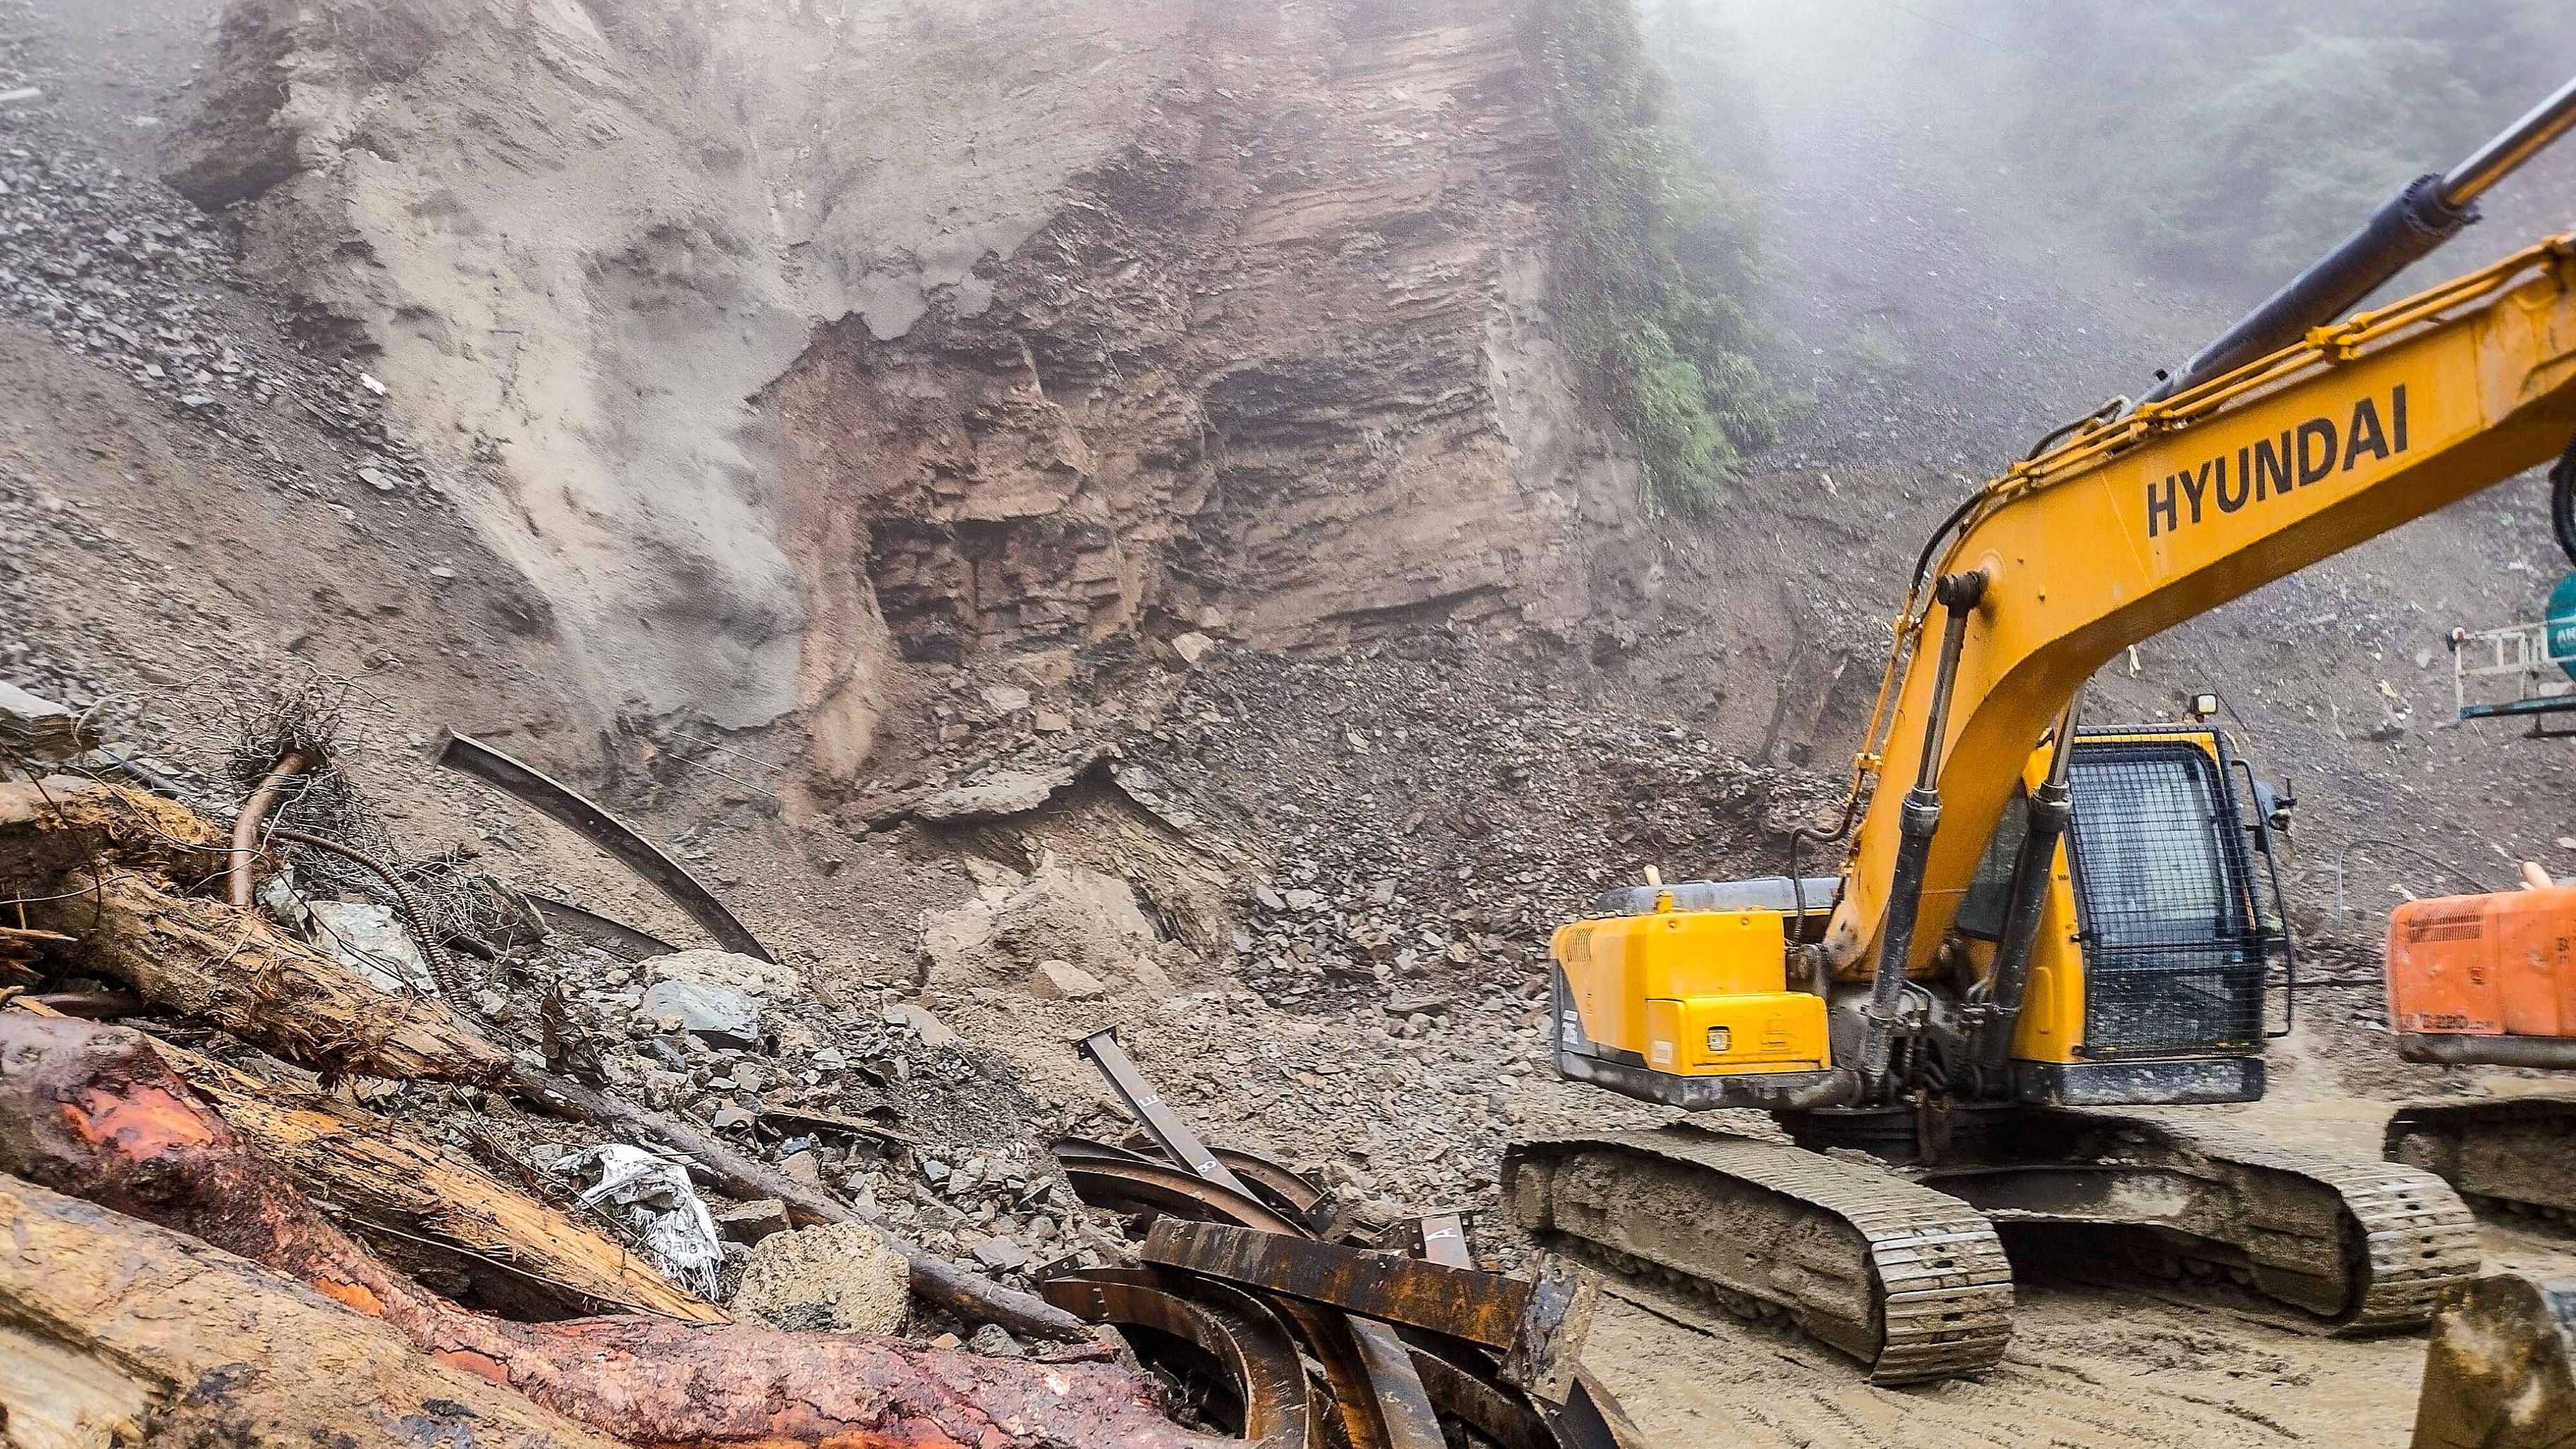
(90, 1110)
(232, 969)
(228, 967)
(933, 1277)
(61, 824)
(115, 1332)
(523, 1255)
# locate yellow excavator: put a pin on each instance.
(2036, 921)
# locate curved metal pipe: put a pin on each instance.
(253, 811)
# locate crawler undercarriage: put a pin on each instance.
(1904, 1266)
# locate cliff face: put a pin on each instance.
(806, 342)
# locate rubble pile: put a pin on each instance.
(122, 269)
(1440, 806)
(648, 1194)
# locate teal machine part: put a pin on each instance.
(2560, 623)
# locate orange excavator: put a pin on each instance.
(2490, 980)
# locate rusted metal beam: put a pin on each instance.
(1591, 1418)
(1283, 1187)
(543, 792)
(606, 932)
(1247, 1340)
(1161, 1123)
(1171, 1190)
(1460, 1380)
(1382, 1402)
(1538, 1323)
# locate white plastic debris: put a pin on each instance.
(656, 1199)
(368, 382)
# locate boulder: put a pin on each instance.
(730, 970)
(836, 1278)
(1064, 981)
(752, 1222)
(38, 726)
(716, 1013)
(933, 1032)
(373, 940)
(1065, 913)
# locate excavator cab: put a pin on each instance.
(2147, 984)
(2160, 923)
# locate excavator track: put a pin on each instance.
(2348, 1247)
(2519, 1152)
(1909, 1281)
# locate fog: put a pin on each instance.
(2020, 207)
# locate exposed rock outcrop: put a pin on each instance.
(809, 343)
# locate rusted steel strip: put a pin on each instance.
(1170, 1190)
(1284, 1188)
(606, 932)
(1382, 1403)
(1248, 1340)
(1161, 1123)
(1538, 1323)
(1592, 1419)
(1291, 1192)
(1092, 1148)
(535, 788)
(1463, 1381)
(1459, 1377)
(1402, 1402)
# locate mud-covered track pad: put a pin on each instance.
(2352, 1247)
(2511, 1149)
(1909, 1281)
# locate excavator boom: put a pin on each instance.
(2135, 525)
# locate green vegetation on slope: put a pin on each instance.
(2238, 139)
(1654, 252)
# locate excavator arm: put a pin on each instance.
(2136, 524)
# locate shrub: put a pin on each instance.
(1654, 249)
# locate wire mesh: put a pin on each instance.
(2173, 957)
